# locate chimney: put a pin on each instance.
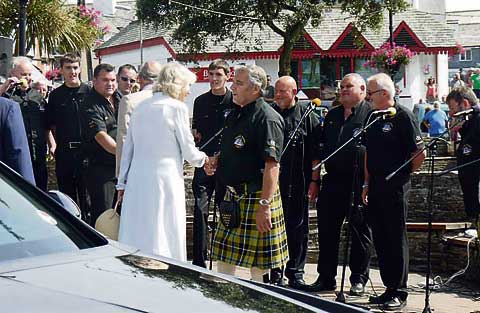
(107, 7)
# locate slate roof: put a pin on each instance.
(428, 29)
(468, 34)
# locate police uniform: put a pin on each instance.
(295, 176)
(390, 143)
(469, 150)
(98, 115)
(334, 200)
(63, 115)
(209, 112)
(253, 133)
(32, 106)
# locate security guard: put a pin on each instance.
(249, 164)
(334, 202)
(390, 143)
(295, 178)
(209, 111)
(462, 99)
(32, 106)
(99, 130)
(63, 117)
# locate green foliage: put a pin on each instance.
(195, 29)
(50, 25)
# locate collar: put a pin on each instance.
(148, 86)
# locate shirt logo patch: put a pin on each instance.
(357, 131)
(272, 144)
(387, 127)
(466, 150)
(239, 142)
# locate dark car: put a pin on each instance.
(50, 261)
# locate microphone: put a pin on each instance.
(316, 103)
(463, 113)
(23, 83)
(390, 112)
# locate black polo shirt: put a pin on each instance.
(209, 112)
(252, 134)
(469, 148)
(97, 115)
(298, 155)
(63, 113)
(390, 142)
(335, 132)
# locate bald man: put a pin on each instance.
(146, 78)
(334, 200)
(295, 179)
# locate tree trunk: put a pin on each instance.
(285, 58)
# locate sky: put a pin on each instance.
(462, 5)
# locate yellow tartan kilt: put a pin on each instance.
(245, 246)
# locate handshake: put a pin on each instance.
(210, 165)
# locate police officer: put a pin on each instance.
(63, 118)
(334, 203)
(295, 178)
(209, 111)
(32, 105)
(249, 165)
(390, 143)
(461, 99)
(99, 130)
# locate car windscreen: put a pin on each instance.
(29, 227)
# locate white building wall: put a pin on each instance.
(158, 53)
(442, 75)
(270, 66)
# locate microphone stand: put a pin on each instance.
(432, 146)
(353, 196)
(307, 112)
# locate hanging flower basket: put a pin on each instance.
(390, 60)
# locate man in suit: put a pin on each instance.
(147, 77)
(14, 150)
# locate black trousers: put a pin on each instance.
(203, 187)
(40, 173)
(469, 178)
(295, 211)
(71, 178)
(387, 215)
(100, 181)
(332, 208)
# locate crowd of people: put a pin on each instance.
(257, 161)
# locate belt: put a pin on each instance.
(245, 188)
(74, 144)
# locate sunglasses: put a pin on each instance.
(126, 79)
(370, 93)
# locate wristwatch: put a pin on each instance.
(265, 202)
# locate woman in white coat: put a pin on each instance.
(150, 182)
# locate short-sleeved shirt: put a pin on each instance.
(437, 119)
(335, 132)
(63, 113)
(98, 115)
(390, 142)
(476, 81)
(252, 134)
(209, 113)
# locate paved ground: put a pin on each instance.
(457, 299)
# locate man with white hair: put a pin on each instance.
(334, 202)
(147, 77)
(32, 105)
(390, 142)
(248, 165)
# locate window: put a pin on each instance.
(465, 55)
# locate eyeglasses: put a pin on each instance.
(126, 79)
(370, 93)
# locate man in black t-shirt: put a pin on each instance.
(389, 143)
(209, 112)
(63, 118)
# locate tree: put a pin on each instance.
(51, 25)
(195, 23)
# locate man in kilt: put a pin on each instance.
(249, 165)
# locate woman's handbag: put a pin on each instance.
(230, 212)
(108, 222)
